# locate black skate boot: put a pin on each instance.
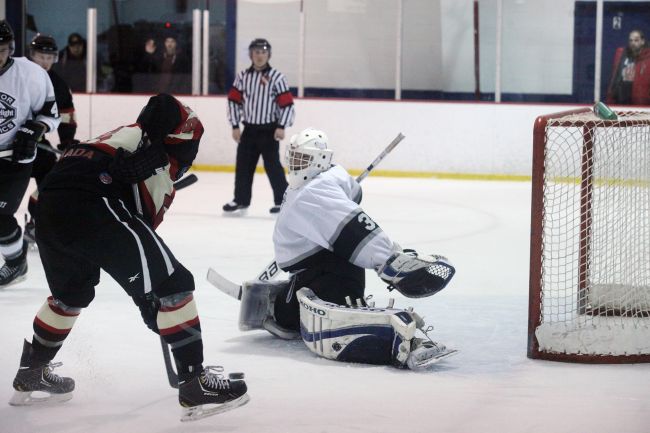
(235, 209)
(209, 393)
(275, 209)
(35, 376)
(14, 270)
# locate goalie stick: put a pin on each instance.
(272, 269)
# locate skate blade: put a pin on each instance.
(199, 412)
(236, 213)
(22, 398)
(15, 281)
(424, 364)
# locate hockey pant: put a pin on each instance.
(14, 179)
(79, 234)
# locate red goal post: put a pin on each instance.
(589, 292)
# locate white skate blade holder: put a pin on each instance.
(426, 363)
(205, 410)
(41, 398)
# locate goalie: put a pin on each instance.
(326, 241)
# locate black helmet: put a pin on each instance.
(6, 32)
(44, 44)
(260, 43)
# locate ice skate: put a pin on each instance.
(425, 353)
(234, 209)
(14, 270)
(38, 378)
(275, 209)
(209, 393)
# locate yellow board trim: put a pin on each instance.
(393, 173)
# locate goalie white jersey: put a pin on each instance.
(324, 214)
(26, 92)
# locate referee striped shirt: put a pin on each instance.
(260, 98)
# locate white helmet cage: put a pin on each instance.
(307, 155)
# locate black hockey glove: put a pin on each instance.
(24, 145)
(66, 135)
(136, 167)
(149, 306)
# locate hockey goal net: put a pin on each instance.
(589, 295)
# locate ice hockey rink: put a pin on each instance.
(489, 387)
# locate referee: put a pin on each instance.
(261, 100)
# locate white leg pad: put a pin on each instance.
(360, 334)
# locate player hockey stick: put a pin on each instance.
(9, 152)
(172, 376)
(185, 181)
(47, 148)
(272, 269)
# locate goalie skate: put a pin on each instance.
(209, 393)
(425, 353)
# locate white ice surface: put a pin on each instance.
(491, 386)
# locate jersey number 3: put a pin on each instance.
(370, 225)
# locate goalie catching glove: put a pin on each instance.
(138, 166)
(416, 276)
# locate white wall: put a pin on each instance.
(351, 43)
(475, 138)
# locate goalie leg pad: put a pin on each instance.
(257, 303)
(361, 334)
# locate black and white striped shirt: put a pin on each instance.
(260, 98)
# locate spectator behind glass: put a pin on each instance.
(72, 63)
(174, 68)
(630, 82)
(147, 66)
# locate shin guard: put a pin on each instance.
(178, 322)
(52, 324)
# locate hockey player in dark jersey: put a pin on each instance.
(98, 209)
(326, 241)
(44, 52)
(27, 111)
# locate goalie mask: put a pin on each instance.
(307, 156)
(166, 120)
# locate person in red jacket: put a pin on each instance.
(630, 82)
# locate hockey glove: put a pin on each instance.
(24, 145)
(136, 167)
(149, 306)
(66, 135)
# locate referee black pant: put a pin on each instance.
(256, 141)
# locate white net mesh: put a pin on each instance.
(595, 288)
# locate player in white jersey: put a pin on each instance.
(27, 111)
(326, 240)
